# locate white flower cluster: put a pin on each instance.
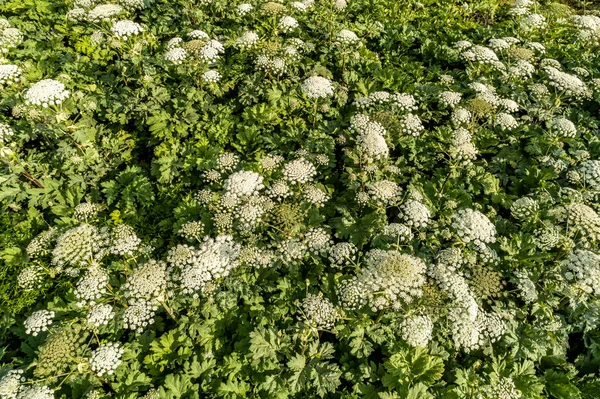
(248, 40)
(41, 243)
(100, 315)
(9, 74)
(6, 132)
(150, 281)
(342, 254)
(370, 139)
(384, 192)
(138, 315)
(30, 278)
(398, 231)
(10, 38)
(315, 195)
(104, 12)
(10, 384)
(35, 392)
(461, 116)
(318, 312)
(211, 76)
(526, 287)
(244, 8)
(415, 214)
(299, 171)
(92, 285)
(124, 241)
(524, 208)
(274, 65)
(588, 28)
(133, 5)
(411, 125)
(473, 226)
(462, 148)
(583, 268)
(504, 388)
(215, 258)
(450, 98)
(38, 321)
(317, 87)
(287, 23)
(582, 220)
(318, 241)
(590, 174)
(506, 121)
(46, 92)
(85, 211)
(126, 28)
(176, 55)
(243, 184)
(347, 37)
(79, 245)
(568, 85)
(480, 54)
(193, 229)
(106, 358)
(417, 330)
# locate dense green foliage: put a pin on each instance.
(370, 199)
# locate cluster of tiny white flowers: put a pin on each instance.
(10, 38)
(215, 258)
(287, 23)
(562, 127)
(176, 55)
(124, 241)
(498, 44)
(590, 173)
(415, 214)
(291, 251)
(38, 321)
(193, 229)
(547, 238)
(125, 29)
(211, 76)
(10, 384)
(46, 92)
(133, 5)
(315, 195)
(584, 220)
(40, 243)
(244, 8)
(100, 315)
(104, 12)
(351, 294)
(317, 87)
(583, 268)
(398, 231)
(247, 40)
(480, 54)
(211, 51)
(36, 392)
(299, 171)
(384, 192)
(524, 208)
(243, 184)
(30, 278)
(79, 245)
(506, 121)
(275, 65)
(417, 330)
(533, 21)
(318, 240)
(91, 286)
(568, 84)
(9, 74)
(342, 254)
(504, 388)
(526, 287)
(462, 148)
(450, 98)
(411, 125)
(150, 281)
(106, 358)
(347, 37)
(473, 226)
(138, 315)
(461, 116)
(521, 69)
(508, 105)
(318, 312)
(5, 132)
(85, 211)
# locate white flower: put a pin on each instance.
(125, 29)
(100, 315)
(562, 127)
(38, 321)
(198, 35)
(287, 23)
(46, 92)
(104, 12)
(211, 76)
(106, 358)
(244, 9)
(506, 121)
(299, 171)
(317, 87)
(346, 36)
(474, 226)
(9, 74)
(176, 55)
(318, 312)
(243, 184)
(247, 40)
(417, 330)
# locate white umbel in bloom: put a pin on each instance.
(247, 40)
(415, 214)
(474, 226)
(10, 384)
(583, 268)
(243, 184)
(5, 132)
(36, 392)
(317, 87)
(347, 37)
(176, 55)
(211, 76)
(318, 312)
(299, 171)
(100, 315)
(125, 29)
(562, 127)
(417, 330)
(38, 321)
(106, 358)
(9, 74)
(287, 23)
(46, 92)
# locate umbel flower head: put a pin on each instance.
(106, 359)
(46, 92)
(317, 87)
